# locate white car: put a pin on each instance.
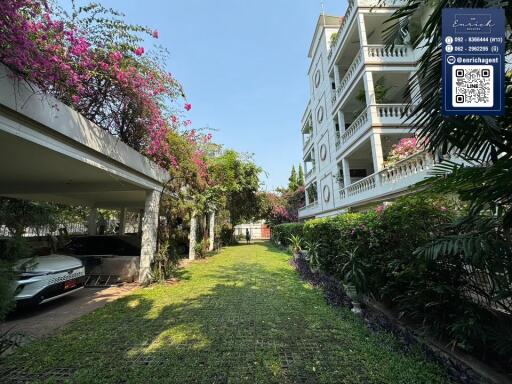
(46, 278)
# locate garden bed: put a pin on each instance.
(460, 367)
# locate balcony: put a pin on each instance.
(307, 142)
(372, 54)
(394, 115)
(310, 172)
(309, 210)
(391, 180)
(349, 17)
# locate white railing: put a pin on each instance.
(342, 30)
(404, 173)
(381, 3)
(310, 171)
(412, 165)
(307, 112)
(309, 209)
(308, 141)
(343, 193)
(347, 19)
(360, 121)
(392, 110)
(349, 75)
(375, 115)
(385, 52)
(363, 185)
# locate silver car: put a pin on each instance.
(46, 278)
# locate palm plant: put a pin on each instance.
(295, 243)
(313, 248)
(483, 236)
(353, 271)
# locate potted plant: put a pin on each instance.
(354, 278)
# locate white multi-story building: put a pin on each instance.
(357, 111)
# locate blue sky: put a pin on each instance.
(243, 64)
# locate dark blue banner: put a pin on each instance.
(473, 61)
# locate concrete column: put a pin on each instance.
(346, 171)
(192, 236)
(122, 221)
(211, 236)
(415, 89)
(141, 215)
(341, 121)
(149, 235)
(336, 76)
(369, 89)
(361, 29)
(377, 155)
(91, 221)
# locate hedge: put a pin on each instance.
(375, 251)
(281, 233)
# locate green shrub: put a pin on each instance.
(282, 233)
(10, 251)
(227, 234)
(377, 252)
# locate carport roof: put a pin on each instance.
(50, 152)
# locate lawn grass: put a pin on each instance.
(242, 316)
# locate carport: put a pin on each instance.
(49, 152)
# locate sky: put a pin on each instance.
(243, 65)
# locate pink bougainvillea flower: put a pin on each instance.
(139, 51)
(188, 106)
(75, 99)
(117, 56)
(155, 34)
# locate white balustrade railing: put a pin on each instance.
(337, 139)
(342, 30)
(412, 165)
(392, 110)
(382, 182)
(308, 141)
(363, 185)
(307, 112)
(360, 121)
(352, 4)
(349, 75)
(381, 3)
(309, 209)
(343, 193)
(310, 172)
(385, 52)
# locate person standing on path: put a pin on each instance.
(247, 236)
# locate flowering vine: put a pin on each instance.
(114, 84)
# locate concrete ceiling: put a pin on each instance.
(31, 171)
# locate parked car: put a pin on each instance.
(100, 245)
(107, 255)
(46, 278)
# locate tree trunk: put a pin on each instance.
(192, 236)
(212, 231)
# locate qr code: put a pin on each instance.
(472, 86)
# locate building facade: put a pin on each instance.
(357, 112)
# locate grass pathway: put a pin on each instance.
(240, 316)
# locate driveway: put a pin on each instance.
(47, 318)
